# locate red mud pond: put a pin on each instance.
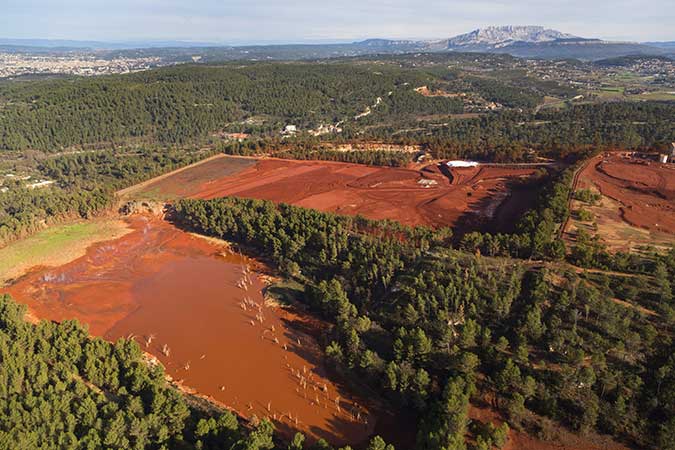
(201, 310)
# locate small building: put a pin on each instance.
(290, 130)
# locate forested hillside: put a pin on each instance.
(366, 100)
(508, 136)
(436, 330)
(175, 105)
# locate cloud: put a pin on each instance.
(319, 20)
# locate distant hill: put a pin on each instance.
(583, 49)
(62, 44)
(527, 42)
(540, 42)
(521, 41)
(498, 37)
(665, 45)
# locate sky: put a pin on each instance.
(314, 21)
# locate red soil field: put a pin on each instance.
(180, 183)
(645, 190)
(225, 340)
(431, 196)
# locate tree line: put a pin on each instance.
(306, 149)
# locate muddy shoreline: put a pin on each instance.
(200, 310)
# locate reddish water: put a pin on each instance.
(184, 300)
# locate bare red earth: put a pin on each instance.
(431, 196)
(165, 286)
(645, 189)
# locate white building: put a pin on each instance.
(461, 163)
(290, 130)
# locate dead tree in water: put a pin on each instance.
(149, 339)
(166, 351)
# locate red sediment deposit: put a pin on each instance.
(645, 189)
(201, 310)
(431, 196)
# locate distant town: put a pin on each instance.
(650, 77)
(80, 63)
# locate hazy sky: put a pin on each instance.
(255, 21)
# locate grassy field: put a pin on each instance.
(55, 246)
(655, 96)
(187, 180)
(553, 103)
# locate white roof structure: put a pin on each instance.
(460, 163)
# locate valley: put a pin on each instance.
(389, 244)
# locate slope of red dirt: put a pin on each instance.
(432, 196)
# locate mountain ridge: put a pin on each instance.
(506, 34)
(525, 41)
